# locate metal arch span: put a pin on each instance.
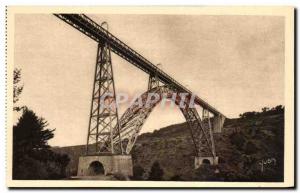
(111, 136)
(136, 115)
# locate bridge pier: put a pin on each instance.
(218, 122)
(104, 165)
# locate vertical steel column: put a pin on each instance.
(153, 82)
(206, 117)
(153, 79)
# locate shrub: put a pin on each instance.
(120, 176)
(156, 172)
(238, 140)
(205, 173)
(250, 148)
(138, 173)
(176, 178)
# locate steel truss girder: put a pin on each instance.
(96, 32)
(135, 116)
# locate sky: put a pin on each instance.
(235, 63)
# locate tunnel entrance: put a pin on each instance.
(206, 162)
(96, 168)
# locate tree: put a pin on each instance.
(279, 108)
(156, 172)
(30, 133)
(252, 114)
(265, 109)
(32, 157)
(17, 88)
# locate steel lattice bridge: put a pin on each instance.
(111, 136)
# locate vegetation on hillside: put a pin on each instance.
(250, 148)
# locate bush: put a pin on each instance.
(176, 178)
(33, 169)
(156, 173)
(250, 148)
(238, 140)
(205, 173)
(138, 173)
(120, 176)
(29, 169)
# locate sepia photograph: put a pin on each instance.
(150, 96)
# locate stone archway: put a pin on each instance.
(206, 162)
(96, 168)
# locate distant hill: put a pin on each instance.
(245, 144)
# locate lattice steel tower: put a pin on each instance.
(104, 113)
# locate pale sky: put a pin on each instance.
(235, 63)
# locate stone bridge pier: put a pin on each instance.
(206, 160)
(218, 122)
(104, 165)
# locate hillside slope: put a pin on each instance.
(245, 145)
